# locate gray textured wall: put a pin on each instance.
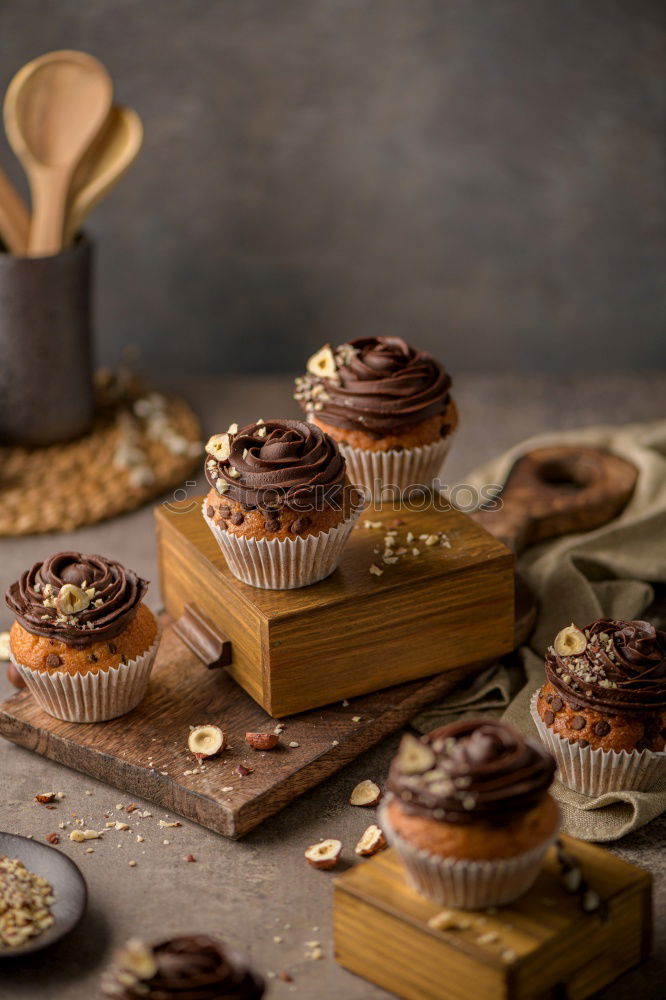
(485, 177)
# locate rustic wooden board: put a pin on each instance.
(354, 632)
(381, 933)
(145, 753)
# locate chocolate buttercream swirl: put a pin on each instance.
(280, 463)
(471, 771)
(381, 386)
(113, 592)
(621, 672)
(183, 968)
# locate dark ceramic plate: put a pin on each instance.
(69, 889)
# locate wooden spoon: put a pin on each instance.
(14, 218)
(105, 162)
(54, 108)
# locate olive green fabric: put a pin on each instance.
(607, 573)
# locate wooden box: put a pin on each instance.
(355, 632)
(542, 946)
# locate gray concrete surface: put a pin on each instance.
(259, 889)
(485, 177)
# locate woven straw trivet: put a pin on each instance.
(141, 444)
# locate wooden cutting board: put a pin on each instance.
(145, 753)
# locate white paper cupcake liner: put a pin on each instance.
(595, 772)
(91, 697)
(283, 564)
(381, 473)
(470, 885)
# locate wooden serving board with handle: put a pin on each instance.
(554, 491)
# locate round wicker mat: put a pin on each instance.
(141, 444)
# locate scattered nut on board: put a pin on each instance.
(366, 793)
(206, 741)
(262, 741)
(372, 841)
(325, 854)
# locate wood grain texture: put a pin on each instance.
(354, 632)
(557, 491)
(555, 950)
(145, 753)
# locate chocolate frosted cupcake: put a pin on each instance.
(84, 642)
(387, 405)
(470, 813)
(183, 968)
(602, 710)
(280, 504)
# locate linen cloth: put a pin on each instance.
(611, 572)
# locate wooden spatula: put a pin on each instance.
(54, 108)
(14, 218)
(107, 159)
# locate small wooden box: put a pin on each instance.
(542, 946)
(295, 650)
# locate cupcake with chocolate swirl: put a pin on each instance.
(83, 641)
(280, 504)
(388, 405)
(470, 813)
(192, 967)
(602, 710)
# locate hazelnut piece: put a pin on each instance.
(206, 741)
(138, 959)
(372, 841)
(262, 741)
(14, 677)
(570, 641)
(366, 793)
(218, 446)
(324, 854)
(414, 757)
(71, 600)
(322, 363)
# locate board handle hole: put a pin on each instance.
(565, 475)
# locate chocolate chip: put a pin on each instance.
(209, 511)
(272, 525)
(578, 722)
(556, 704)
(575, 708)
(300, 524)
(53, 660)
(602, 729)
(237, 518)
(225, 511)
(112, 647)
(549, 698)
(549, 717)
(93, 657)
